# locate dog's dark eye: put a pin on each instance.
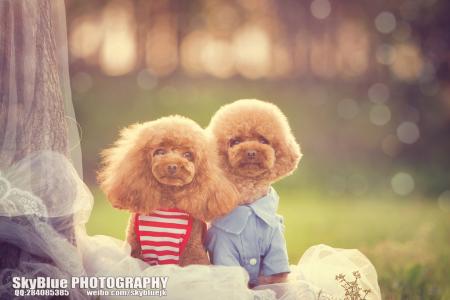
(263, 140)
(159, 152)
(234, 142)
(188, 155)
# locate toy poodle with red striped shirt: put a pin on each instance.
(165, 172)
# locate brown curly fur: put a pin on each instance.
(133, 179)
(261, 128)
(250, 120)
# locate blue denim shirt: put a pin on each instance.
(250, 236)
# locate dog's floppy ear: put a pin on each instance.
(222, 195)
(210, 195)
(287, 153)
(125, 176)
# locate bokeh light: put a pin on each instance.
(225, 43)
(385, 22)
(191, 49)
(352, 49)
(320, 9)
(118, 50)
(217, 58)
(408, 62)
(408, 132)
(402, 183)
(380, 114)
(252, 51)
(85, 38)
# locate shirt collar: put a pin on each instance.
(265, 208)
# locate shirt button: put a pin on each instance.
(253, 261)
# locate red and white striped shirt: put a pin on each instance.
(163, 235)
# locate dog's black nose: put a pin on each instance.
(251, 154)
(172, 169)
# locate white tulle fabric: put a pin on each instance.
(320, 265)
(42, 201)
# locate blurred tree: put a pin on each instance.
(380, 67)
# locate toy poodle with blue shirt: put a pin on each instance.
(256, 149)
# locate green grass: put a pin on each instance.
(407, 240)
